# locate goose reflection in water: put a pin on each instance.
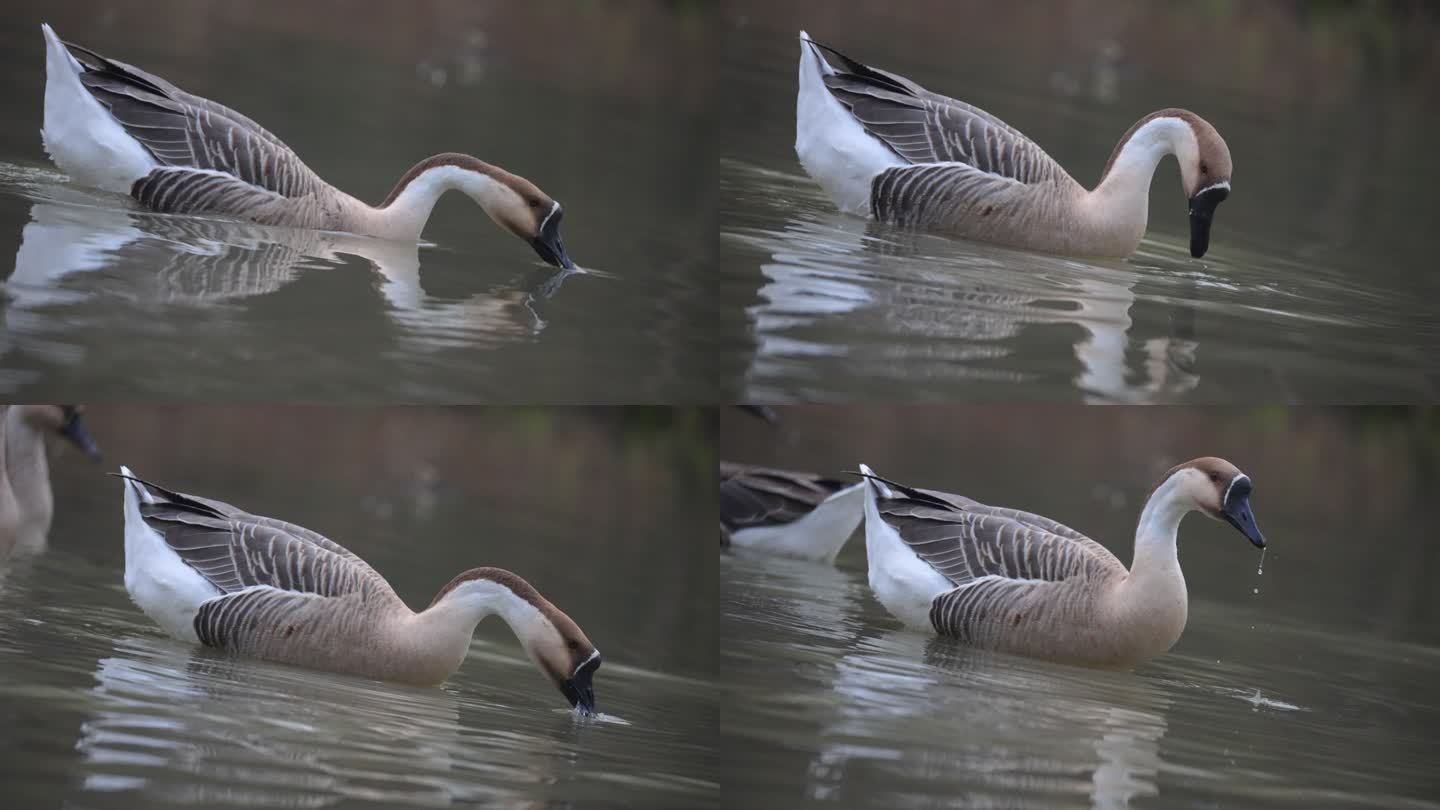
(970, 723)
(896, 713)
(842, 296)
(78, 247)
(203, 729)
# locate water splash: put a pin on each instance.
(1260, 570)
(1258, 701)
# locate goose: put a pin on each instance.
(1007, 580)
(884, 147)
(27, 430)
(209, 573)
(791, 514)
(112, 126)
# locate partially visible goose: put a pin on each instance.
(27, 432)
(885, 147)
(210, 573)
(792, 514)
(1008, 580)
(115, 127)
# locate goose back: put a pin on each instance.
(925, 127)
(184, 130)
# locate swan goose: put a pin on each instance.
(115, 127)
(1008, 580)
(210, 573)
(884, 147)
(791, 514)
(28, 499)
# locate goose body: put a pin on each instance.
(792, 514)
(115, 127)
(209, 573)
(884, 147)
(27, 504)
(1012, 581)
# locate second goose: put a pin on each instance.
(25, 433)
(118, 128)
(791, 514)
(885, 147)
(210, 573)
(1008, 580)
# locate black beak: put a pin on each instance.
(578, 689)
(1202, 212)
(1236, 511)
(74, 429)
(548, 243)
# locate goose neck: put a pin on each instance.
(456, 612)
(1155, 536)
(404, 213)
(23, 448)
(1141, 150)
(1123, 195)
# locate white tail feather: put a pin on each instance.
(79, 134)
(834, 148)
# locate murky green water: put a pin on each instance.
(1317, 288)
(99, 709)
(107, 301)
(1313, 684)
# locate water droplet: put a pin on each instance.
(1260, 571)
(1257, 591)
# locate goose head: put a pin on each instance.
(1204, 166)
(529, 213)
(1217, 488)
(511, 201)
(569, 659)
(66, 421)
(1205, 175)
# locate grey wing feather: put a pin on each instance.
(265, 621)
(969, 541)
(930, 193)
(235, 554)
(758, 496)
(235, 550)
(968, 612)
(185, 190)
(925, 127)
(183, 130)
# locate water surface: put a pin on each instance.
(105, 300)
(1317, 287)
(100, 709)
(834, 703)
